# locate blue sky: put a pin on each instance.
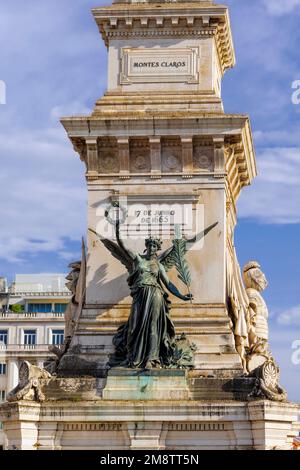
(54, 63)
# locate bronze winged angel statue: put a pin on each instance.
(147, 339)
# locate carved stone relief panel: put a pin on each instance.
(140, 161)
(108, 156)
(171, 155)
(203, 158)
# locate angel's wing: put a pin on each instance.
(190, 242)
(116, 252)
(168, 257)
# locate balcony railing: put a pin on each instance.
(21, 315)
(41, 294)
(24, 347)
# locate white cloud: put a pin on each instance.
(282, 338)
(42, 192)
(278, 138)
(290, 317)
(281, 7)
(68, 255)
(274, 195)
(51, 70)
(69, 109)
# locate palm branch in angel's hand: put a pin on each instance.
(172, 257)
(175, 256)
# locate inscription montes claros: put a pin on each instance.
(141, 65)
(164, 64)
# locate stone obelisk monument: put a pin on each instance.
(166, 344)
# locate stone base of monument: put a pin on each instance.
(162, 409)
(149, 425)
(128, 384)
(159, 140)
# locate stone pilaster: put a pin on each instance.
(123, 154)
(187, 156)
(219, 156)
(92, 157)
(155, 155)
(146, 436)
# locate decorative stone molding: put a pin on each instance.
(203, 156)
(239, 163)
(203, 162)
(150, 435)
(159, 33)
(92, 156)
(79, 146)
(196, 426)
(109, 163)
(143, 65)
(178, 20)
(219, 157)
(171, 155)
(267, 383)
(187, 155)
(235, 129)
(123, 157)
(174, 154)
(29, 386)
(140, 160)
(108, 156)
(93, 427)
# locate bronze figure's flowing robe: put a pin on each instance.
(148, 338)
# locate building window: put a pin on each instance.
(3, 336)
(2, 395)
(29, 337)
(60, 308)
(58, 337)
(2, 369)
(39, 308)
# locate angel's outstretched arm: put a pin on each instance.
(128, 252)
(171, 287)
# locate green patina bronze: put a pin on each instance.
(147, 340)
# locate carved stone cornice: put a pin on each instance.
(168, 20)
(140, 33)
(240, 162)
(79, 145)
(222, 146)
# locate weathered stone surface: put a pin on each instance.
(153, 139)
(169, 425)
(129, 385)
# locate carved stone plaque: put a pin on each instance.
(141, 65)
(108, 156)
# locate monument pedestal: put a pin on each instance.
(150, 410)
(109, 425)
(159, 146)
(207, 326)
(128, 385)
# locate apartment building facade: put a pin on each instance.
(31, 318)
